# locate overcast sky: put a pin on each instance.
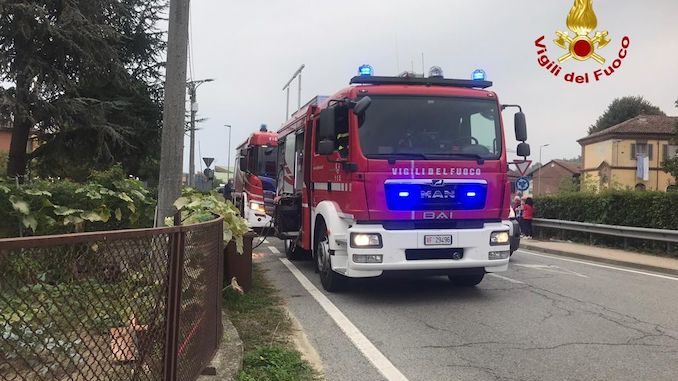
(253, 47)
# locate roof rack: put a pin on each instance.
(466, 83)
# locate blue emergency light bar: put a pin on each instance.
(375, 80)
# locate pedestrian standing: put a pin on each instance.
(528, 215)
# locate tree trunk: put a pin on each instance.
(16, 165)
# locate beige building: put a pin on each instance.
(629, 155)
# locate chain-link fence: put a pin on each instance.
(125, 305)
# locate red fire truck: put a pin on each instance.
(398, 174)
(255, 178)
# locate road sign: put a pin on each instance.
(522, 184)
(208, 160)
(209, 173)
(523, 166)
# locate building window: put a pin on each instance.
(670, 151)
(641, 149)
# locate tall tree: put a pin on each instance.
(86, 78)
(623, 109)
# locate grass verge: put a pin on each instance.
(265, 329)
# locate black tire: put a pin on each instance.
(294, 252)
(331, 280)
(467, 280)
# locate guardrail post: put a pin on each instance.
(175, 270)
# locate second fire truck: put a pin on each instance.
(398, 174)
(255, 174)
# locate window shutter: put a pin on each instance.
(665, 156)
(649, 151)
(633, 152)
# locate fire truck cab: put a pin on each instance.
(398, 174)
(255, 178)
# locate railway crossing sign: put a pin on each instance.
(522, 184)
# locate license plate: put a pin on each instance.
(437, 240)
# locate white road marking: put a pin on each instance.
(551, 269)
(274, 249)
(603, 266)
(383, 364)
(505, 278)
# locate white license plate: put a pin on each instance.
(434, 240)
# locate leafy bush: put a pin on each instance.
(626, 208)
(109, 201)
(196, 207)
(3, 163)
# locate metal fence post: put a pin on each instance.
(175, 270)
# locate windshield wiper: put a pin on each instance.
(479, 159)
(392, 157)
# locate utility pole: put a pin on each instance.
(228, 168)
(171, 156)
(192, 87)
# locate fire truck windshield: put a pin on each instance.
(264, 161)
(431, 127)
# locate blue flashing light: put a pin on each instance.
(470, 194)
(365, 71)
(404, 194)
(479, 75)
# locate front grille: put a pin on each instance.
(432, 224)
(439, 196)
(428, 254)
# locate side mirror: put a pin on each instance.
(242, 164)
(520, 126)
(326, 123)
(326, 147)
(523, 150)
(362, 105)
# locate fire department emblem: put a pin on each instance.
(582, 46)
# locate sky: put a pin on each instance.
(251, 48)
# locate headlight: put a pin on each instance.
(257, 207)
(499, 238)
(366, 240)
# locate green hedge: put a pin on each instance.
(627, 208)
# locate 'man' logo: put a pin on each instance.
(581, 45)
(438, 194)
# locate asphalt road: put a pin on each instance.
(547, 318)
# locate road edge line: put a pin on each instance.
(594, 264)
(359, 340)
(609, 261)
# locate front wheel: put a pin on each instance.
(467, 280)
(331, 280)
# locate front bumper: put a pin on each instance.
(474, 242)
(257, 220)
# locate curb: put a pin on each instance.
(228, 359)
(610, 261)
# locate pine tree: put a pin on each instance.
(623, 109)
(86, 79)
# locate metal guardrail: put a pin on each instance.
(613, 230)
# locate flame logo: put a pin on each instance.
(582, 20)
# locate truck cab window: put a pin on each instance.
(342, 139)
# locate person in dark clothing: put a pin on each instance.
(228, 190)
(528, 215)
